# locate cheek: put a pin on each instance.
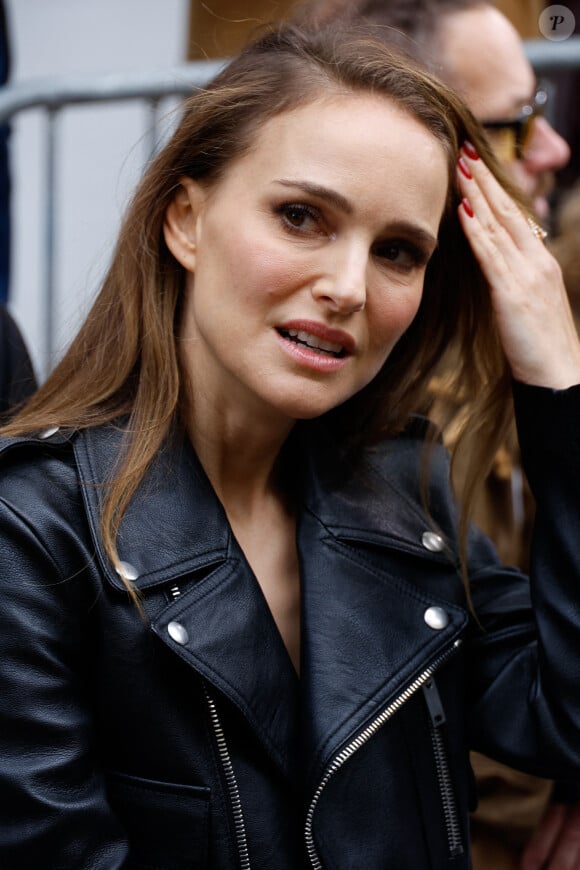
(261, 271)
(391, 317)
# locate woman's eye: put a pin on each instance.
(403, 254)
(297, 216)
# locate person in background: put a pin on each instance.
(473, 47)
(4, 164)
(521, 821)
(17, 378)
(237, 607)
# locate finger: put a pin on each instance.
(493, 232)
(544, 838)
(497, 207)
(481, 208)
(490, 244)
(565, 853)
(508, 250)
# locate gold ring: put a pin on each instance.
(537, 230)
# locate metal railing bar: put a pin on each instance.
(150, 140)
(58, 91)
(49, 255)
(549, 57)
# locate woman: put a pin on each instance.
(235, 631)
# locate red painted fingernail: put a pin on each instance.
(467, 207)
(463, 168)
(470, 150)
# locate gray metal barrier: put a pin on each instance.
(59, 93)
(549, 57)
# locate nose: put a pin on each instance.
(342, 285)
(547, 150)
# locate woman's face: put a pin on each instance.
(306, 259)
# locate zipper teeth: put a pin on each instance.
(174, 591)
(359, 741)
(447, 795)
(232, 784)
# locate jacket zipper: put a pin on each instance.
(232, 785)
(436, 722)
(360, 741)
(228, 769)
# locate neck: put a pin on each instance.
(239, 455)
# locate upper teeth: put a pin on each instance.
(314, 341)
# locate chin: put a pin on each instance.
(302, 409)
(302, 412)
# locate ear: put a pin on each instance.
(180, 228)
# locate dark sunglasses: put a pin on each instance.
(513, 137)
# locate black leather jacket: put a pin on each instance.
(183, 739)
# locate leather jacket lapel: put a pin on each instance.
(235, 645)
(364, 641)
(174, 524)
(365, 637)
(175, 534)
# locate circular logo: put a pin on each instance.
(557, 23)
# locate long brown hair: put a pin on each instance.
(124, 360)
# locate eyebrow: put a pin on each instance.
(337, 199)
(318, 190)
(406, 228)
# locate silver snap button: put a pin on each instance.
(178, 633)
(432, 541)
(127, 571)
(436, 618)
(48, 433)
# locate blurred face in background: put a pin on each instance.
(483, 59)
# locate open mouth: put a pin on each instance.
(329, 348)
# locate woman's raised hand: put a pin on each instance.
(528, 293)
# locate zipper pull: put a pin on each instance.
(173, 593)
(434, 704)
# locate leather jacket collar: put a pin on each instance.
(364, 636)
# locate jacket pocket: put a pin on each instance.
(167, 824)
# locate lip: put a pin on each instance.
(322, 331)
(309, 357)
